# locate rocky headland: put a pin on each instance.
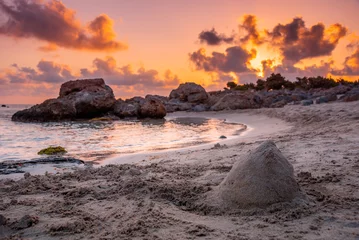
(93, 99)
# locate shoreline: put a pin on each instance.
(255, 126)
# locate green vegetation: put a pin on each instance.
(52, 151)
(276, 81)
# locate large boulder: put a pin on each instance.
(189, 92)
(79, 99)
(261, 178)
(152, 108)
(91, 97)
(234, 101)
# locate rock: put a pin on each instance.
(306, 102)
(261, 178)
(136, 100)
(326, 99)
(189, 92)
(234, 101)
(217, 145)
(27, 175)
(91, 97)
(124, 109)
(152, 108)
(3, 220)
(163, 99)
(200, 108)
(174, 105)
(279, 104)
(352, 95)
(222, 137)
(4, 106)
(79, 99)
(26, 222)
(50, 110)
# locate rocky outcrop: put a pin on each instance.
(152, 108)
(79, 99)
(189, 92)
(234, 101)
(261, 178)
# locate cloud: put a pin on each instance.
(126, 76)
(46, 78)
(249, 24)
(213, 38)
(46, 72)
(290, 43)
(56, 24)
(351, 66)
(297, 42)
(235, 59)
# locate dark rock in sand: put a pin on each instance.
(9, 167)
(307, 102)
(26, 222)
(261, 178)
(3, 220)
(189, 92)
(4, 106)
(79, 99)
(152, 108)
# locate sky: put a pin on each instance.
(151, 46)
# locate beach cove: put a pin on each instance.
(159, 198)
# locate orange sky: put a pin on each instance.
(143, 46)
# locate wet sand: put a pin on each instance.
(158, 196)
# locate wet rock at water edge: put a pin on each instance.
(79, 99)
(152, 108)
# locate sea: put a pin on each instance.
(97, 141)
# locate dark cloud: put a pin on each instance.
(213, 38)
(126, 76)
(236, 59)
(250, 26)
(351, 66)
(47, 77)
(297, 42)
(53, 22)
(47, 72)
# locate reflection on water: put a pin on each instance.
(97, 140)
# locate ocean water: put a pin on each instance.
(95, 141)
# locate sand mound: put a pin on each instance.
(259, 179)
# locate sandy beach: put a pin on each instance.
(159, 195)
